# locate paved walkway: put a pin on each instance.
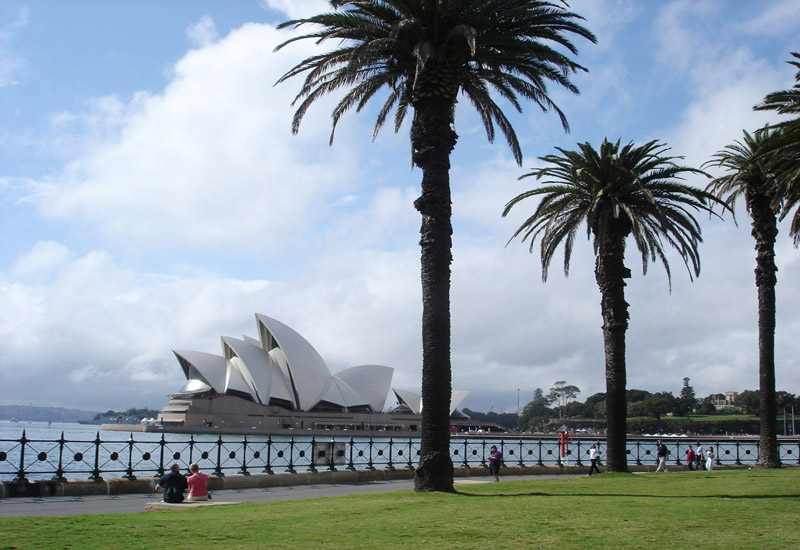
(126, 504)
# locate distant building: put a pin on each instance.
(724, 401)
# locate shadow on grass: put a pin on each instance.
(631, 495)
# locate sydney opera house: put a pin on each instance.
(280, 382)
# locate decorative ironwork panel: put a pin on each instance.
(144, 455)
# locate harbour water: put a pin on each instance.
(53, 431)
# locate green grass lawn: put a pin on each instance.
(743, 509)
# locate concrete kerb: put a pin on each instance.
(164, 506)
(45, 488)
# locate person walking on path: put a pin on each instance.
(594, 456)
(690, 458)
(173, 484)
(710, 459)
(495, 458)
(198, 484)
(661, 453)
(698, 456)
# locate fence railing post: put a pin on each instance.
(311, 466)
(351, 465)
(218, 470)
(129, 470)
(369, 464)
(96, 470)
(390, 464)
(291, 456)
(268, 467)
(23, 441)
(243, 469)
(540, 462)
(410, 453)
(60, 471)
(161, 469)
(332, 459)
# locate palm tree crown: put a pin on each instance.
(747, 171)
(783, 154)
(629, 189)
(416, 49)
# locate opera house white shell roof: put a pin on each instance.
(283, 368)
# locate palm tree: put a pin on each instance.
(748, 176)
(419, 54)
(619, 192)
(782, 156)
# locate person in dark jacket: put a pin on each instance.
(173, 484)
(662, 453)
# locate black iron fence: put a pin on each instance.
(29, 459)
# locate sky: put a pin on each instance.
(153, 197)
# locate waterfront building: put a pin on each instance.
(279, 382)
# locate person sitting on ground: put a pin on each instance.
(173, 484)
(198, 484)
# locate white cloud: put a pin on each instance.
(296, 9)
(203, 33)
(101, 332)
(42, 260)
(776, 17)
(209, 163)
(10, 61)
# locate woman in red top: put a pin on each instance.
(198, 483)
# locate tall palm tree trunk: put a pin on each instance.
(610, 272)
(432, 140)
(765, 231)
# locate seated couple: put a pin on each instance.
(174, 485)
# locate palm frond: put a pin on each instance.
(512, 48)
(618, 191)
